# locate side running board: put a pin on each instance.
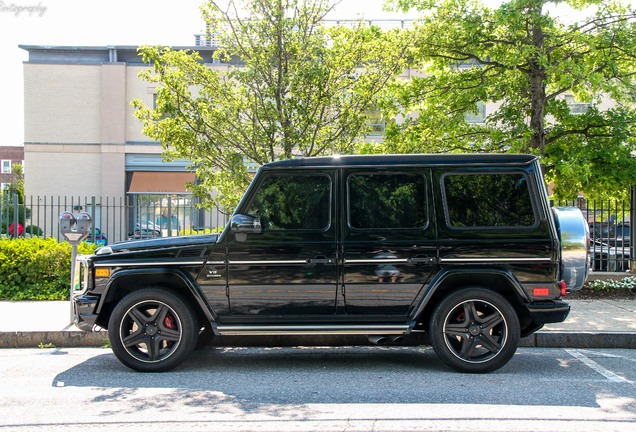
(233, 330)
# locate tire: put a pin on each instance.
(152, 330)
(474, 330)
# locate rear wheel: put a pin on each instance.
(152, 330)
(475, 330)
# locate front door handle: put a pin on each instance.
(321, 259)
(421, 259)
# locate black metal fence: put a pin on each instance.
(114, 219)
(118, 219)
(611, 237)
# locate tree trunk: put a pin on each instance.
(537, 78)
(537, 111)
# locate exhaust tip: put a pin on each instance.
(397, 339)
(379, 340)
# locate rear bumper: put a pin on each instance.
(84, 311)
(549, 312)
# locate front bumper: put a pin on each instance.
(549, 311)
(84, 315)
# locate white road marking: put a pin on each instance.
(611, 376)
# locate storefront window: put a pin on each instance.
(159, 215)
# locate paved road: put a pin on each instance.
(327, 389)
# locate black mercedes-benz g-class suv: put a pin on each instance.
(463, 247)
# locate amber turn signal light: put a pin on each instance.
(102, 272)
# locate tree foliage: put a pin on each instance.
(524, 60)
(283, 85)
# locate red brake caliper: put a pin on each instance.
(169, 323)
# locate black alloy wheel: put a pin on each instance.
(475, 330)
(152, 330)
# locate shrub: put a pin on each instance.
(32, 230)
(606, 285)
(36, 269)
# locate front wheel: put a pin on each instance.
(475, 330)
(152, 330)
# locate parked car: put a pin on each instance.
(609, 246)
(144, 234)
(463, 247)
(605, 257)
(100, 239)
(145, 229)
(623, 235)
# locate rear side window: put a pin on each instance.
(488, 200)
(298, 202)
(387, 201)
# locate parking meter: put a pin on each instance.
(74, 229)
(84, 222)
(67, 221)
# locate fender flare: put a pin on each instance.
(193, 290)
(443, 275)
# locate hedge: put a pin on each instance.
(36, 269)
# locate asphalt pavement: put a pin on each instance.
(591, 324)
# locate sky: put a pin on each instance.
(112, 22)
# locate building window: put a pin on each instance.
(375, 122)
(5, 186)
(6, 166)
(476, 117)
(575, 106)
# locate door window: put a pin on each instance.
(293, 202)
(387, 201)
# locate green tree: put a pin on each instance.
(287, 86)
(524, 60)
(17, 184)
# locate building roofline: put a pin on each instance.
(107, 47)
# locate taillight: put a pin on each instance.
(563, 292)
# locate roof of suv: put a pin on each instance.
(406, 159)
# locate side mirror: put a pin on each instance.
(245, 224)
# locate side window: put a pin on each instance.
(387, 201)
(293, 202)
(488, 200)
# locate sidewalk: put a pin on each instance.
(591, 324)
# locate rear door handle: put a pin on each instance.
(321, 259)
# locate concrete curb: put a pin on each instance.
(545, 339)
(561, 339)
(66, 339)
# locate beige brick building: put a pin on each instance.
(82, 138)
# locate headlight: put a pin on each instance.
(80, 278)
